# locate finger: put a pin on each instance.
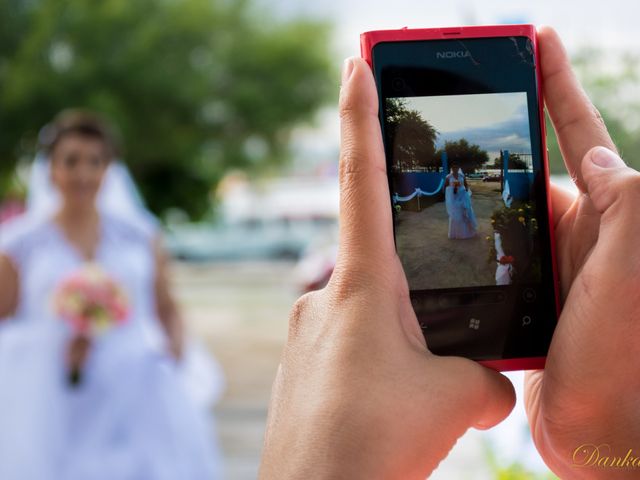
(481, 397)
(561, 200)
(532, 384)
(608, 179)
(495, 398)
(577, 122)
(614, 190)
(366, 231)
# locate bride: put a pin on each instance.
(462, 220)
(132, 417)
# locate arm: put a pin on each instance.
(166, 307)
(9, 290)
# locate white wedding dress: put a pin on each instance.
(462, 219)
(131, 418)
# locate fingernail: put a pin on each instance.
(347, 70)
(605, 158)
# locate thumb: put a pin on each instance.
(478, 396)
(495, 398)
(366, 231)
(609, 181)
(614, 190)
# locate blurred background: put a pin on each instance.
(228, 116)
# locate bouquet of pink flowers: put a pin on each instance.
(92, 303)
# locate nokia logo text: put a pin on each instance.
(453, 54)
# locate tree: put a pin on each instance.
(411, 137)
(516, 162)
(197, 87)
(470, 157)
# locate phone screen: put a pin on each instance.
(461, 128)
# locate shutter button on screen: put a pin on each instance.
(529, 295)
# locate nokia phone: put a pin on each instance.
(461, 114)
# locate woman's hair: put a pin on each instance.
(83, 123)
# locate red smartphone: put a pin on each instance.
(461, 113)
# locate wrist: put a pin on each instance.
(301, 455)
(326, 444)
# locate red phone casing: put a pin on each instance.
(369, 40)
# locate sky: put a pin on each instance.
(495, 121)
(611, 24)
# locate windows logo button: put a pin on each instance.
(474, 324)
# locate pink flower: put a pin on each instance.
(90, 301)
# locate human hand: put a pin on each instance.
(588, 391)
(357, 394)
(77, 353)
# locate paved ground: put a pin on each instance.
(432, 260)
(240, 311)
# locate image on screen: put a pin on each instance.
(461, 183)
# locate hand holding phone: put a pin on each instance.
(357, 394)
(582, 407)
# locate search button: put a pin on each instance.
(526, 320)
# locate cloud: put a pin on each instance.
(511, 134)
